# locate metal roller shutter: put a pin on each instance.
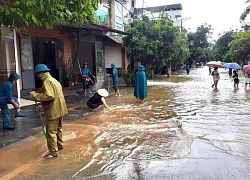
(113, 55)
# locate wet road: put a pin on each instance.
(220, 116)
(185, 130)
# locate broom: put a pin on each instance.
(43, 125)
(93, 82)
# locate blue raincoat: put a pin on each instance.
(86, 72)
(5, 97)
(141, 88)
(115, 78)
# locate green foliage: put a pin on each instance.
(156, 43)
(199, 44)
(222, 46)
(71, 75)
(245, 13)
(129, 78)
(45, 13)
(239, 48)
(148, 72)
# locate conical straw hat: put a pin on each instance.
(103, 92)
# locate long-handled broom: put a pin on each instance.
(43, 124)
(43, 127)
(93, 82)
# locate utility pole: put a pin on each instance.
(133, 15)
(109, 14)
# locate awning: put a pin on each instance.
(114, 30)
(93, 27)
(116, 39)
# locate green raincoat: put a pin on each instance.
(141, 89)
(52, 98)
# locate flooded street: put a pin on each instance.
(184, 130)
(218, 116)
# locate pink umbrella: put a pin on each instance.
(214, 64)
(246, 68)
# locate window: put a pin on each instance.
(118, 18)
(119, 28)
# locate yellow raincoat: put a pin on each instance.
(52, 98)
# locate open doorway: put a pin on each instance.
(7, 60)
(44, 51)
(38, 50)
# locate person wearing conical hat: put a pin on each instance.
(115, 80)
(141, 88)
(97, 100)
(54, 106)
(6, 98)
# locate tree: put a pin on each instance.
(246, 12)
(222, 45)
(156, 43)
(45, 13)
(239, 48)
(200, 45)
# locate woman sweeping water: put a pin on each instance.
(97, 100)
(86, 76)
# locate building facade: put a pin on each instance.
(116, 14)
(39, 45)
(119, 15)
(8, 57)
(172, 12)
(98, 45)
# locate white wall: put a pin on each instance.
(120, 15)
(171, 14)
(119, 19)
(174, 13)
(177, 23)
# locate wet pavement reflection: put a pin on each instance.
(220, 116)
(184, 130)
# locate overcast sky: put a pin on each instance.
(220, 14)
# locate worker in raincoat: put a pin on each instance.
(115, 79)
(86, 76)
(54, 106)
(7, 98)
(141, 89)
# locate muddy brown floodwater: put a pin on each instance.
(184, 130)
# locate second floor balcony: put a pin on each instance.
(102, 17)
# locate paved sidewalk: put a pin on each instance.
(30, 125)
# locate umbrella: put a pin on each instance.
(214, 64)
(232, 66)
(246, 68)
